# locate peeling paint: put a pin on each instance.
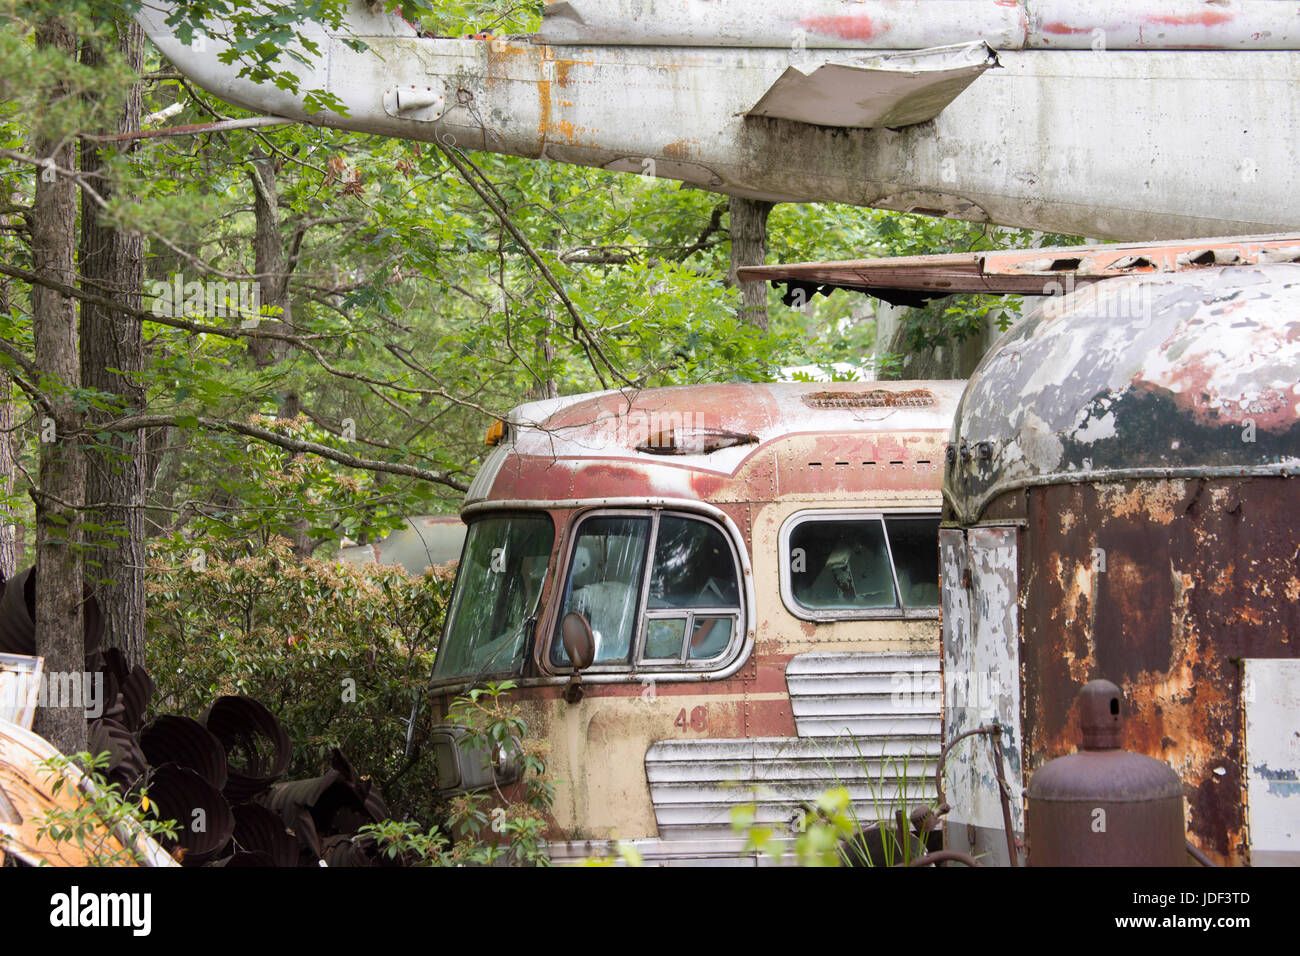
(1020, 147)
(1140, 372)
(1162, 556)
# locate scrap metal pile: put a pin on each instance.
(219, 777)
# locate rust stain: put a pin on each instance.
(564, 67)
(1155, 500)
(1181, 600)
(681, 149)
(543, 107)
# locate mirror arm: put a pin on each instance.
(573, 691)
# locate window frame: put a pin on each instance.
(900, 612)
(637, 663)
(539, 608)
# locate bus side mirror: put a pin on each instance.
(580, 645)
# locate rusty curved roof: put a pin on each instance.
(604, 444)
(914, 280)
(1191, 373)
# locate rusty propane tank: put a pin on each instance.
(1105, 806)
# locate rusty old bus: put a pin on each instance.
(758, 567)
(1120, 503)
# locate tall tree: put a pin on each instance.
(749, 248)
(8, 465)
(269, 260)
(60, 635)
(8, 527)
(112, 362)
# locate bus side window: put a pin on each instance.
(854, 566)
(914, 542)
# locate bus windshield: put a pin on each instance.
(497, 590)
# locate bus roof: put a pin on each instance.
(730, 441)
(1181, 375)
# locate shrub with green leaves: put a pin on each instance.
(341, 654)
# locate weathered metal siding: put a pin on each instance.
(1145, 433)
(1272, 702)
(1036, 272)
(889, 24)
(981, 678)
(696, 784)
(808, 439)
(868, 722)
(867, 695)
(1161, 587)
(1033, 144)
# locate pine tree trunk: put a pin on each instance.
(60, 635)
(749, 248)
(8, 524)
(112, 358)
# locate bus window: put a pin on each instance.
(605, 581)
(847, 566)
(692, 605)
(914, 543)
(497, 588)
(693, 572)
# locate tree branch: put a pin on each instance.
(463, 166)
(140, 422)
(259, 332)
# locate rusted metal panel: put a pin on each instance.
(1271, 698)
(1184, 375)
(981, 682)
(1161, 586)
(894, 89)
(1034, 272)
(1145, 432)
(1105, 806)
(890, 24)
